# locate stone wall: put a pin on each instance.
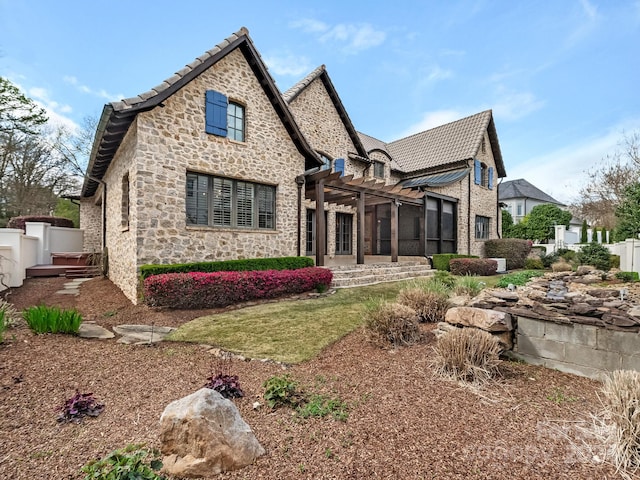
(91, 222)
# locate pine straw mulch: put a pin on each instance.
(404, 423)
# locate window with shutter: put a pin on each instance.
(477, 172)
(216, 113)
(490, 179)
(223, 202)
(338, 165)
(235, 122)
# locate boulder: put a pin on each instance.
(203, 434)
(487, 320)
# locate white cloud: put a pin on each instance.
(101, 93)
(288, 64)
(353, 37)
(431, 120)
(589, 9)
(438, 73)
(514, 105)
(54, 110)
(562, 172)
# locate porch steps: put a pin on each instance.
(368, 274)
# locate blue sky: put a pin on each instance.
(562, 76)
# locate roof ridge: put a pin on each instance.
(131, 102)
(299, 86)
(441, 126)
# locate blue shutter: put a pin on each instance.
(477, 172)
(216, 113)
(490, 185)
(338, 166)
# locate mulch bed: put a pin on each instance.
(404, 423)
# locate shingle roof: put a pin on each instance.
(444, 145)
(520, 188)
(321, 73)
(117, 117)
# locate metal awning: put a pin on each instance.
(437, 179)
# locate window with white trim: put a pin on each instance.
(226, 202)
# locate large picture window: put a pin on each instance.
(225, 202)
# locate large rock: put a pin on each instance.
(487, 320)
(203, 434)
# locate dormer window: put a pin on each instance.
(224, 118)
(378, 169)
(482, 174)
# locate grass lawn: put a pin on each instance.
(290, 331)
(287, 331)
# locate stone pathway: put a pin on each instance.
(72, 287)
(130, 334)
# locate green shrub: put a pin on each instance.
(467, 354)
(513, 250)
(134, 462)
(595, 254)
(321, 406)
(445, 278)
(280, 263)
(547, 260)
(468, 285)
(282, 391)
(568, 255)
(473, 266)
(43, 319)
(518, 278)
(628, 276)
(534, 264)
(441, 260)
(3, 325)
(615, 261)
(430, 306)
(391, 323)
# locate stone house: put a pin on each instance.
(216, 163)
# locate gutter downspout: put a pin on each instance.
(300, 181)
(498, 212)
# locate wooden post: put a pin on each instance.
(425, 229)
(394, 231)
(320, 224)
(360, 247)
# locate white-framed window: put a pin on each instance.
(482, 227)
(226, 202)
(235, 122)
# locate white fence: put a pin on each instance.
(19, 251)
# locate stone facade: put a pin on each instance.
(91, 221)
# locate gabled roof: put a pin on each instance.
(321, 73)
(117, 116)
(447, 144)
(520, 188)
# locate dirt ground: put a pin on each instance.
(404, 423)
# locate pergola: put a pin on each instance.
(332, 187)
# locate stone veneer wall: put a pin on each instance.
(91, 223)
(318, 119)
(483, 202)
(584, 350)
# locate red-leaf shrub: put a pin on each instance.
(473, 266)
(218, 289)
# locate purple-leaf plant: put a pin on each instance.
(78, 406)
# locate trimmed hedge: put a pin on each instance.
(279, 263)
(441, 260)
(19, 222)
(219, 289)
(513, 250)
(473, 266)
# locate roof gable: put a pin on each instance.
(117, 117)
(321, 74)
(520, 188)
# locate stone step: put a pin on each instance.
(372, 274)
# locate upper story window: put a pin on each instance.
(226, 202)
(338, 166)
(235, 122)
(125, 204)
(378, 169)
(482, 227)
(224, 118)
(482, 175)
(326, 163)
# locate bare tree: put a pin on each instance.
(604, 190)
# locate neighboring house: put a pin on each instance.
(519, 198)
(215, 163)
